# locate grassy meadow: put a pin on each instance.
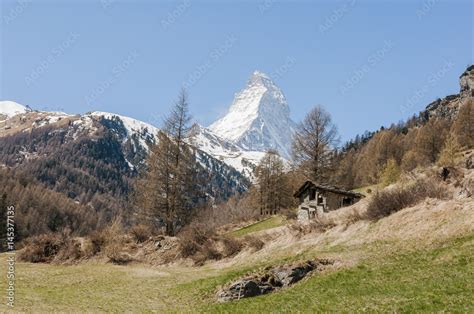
(435, 278)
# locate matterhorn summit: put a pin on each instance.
(259, 118)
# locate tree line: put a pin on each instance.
(169, 193)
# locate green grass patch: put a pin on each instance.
(420, 281)
(269, 223)
(435, 279)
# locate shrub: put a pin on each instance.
(188, 248)
(52, 247)
(253, 242)
(70, 251)
(193, 238)
(290, 214)
(231, 246)
(41, 249)
(206, 253)
(387, 202)
(98, 240)
(116, 255)
(140, 233)
(201, 244)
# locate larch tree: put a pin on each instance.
(450, 152)
(390, 173)
(463, 127)
(313, 144)
(273, 189)
(430, 139)
(168, 192)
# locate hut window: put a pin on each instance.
(320, 199)
(346, 201)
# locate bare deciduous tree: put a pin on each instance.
(313, 144)
(168, 191)
(272, 184)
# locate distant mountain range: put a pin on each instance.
(257, 121)
(94, 158)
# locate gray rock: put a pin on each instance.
(467, 82)
(274, 278)
(290, 275)
(242, 289)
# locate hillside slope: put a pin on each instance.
(94, 159)
(418, 259)
(396, 270)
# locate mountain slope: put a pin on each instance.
(225, 151)
(9, 109)
(259, 118)
(93, 159)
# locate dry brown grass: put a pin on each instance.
(140, 233)
(389, 201)
(253, 242)
(117, 255)
(289, 214)
(201, 244)
(316, 225)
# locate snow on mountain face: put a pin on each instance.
(225, 151)
(132, 125)
(10, 109)
(259, 118)
(137, 135)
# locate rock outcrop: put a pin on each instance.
(449, 106)
(271, 280)
(467, 82)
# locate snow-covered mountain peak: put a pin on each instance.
(259, 117)
(259, 78)
(11, 108)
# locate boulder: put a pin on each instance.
(243, 289)
(272, 279)
(292, 274)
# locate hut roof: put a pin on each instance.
(309, 184)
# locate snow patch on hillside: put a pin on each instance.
(221, 149)
(132, 125)
(11, 108)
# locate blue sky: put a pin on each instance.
(369, 63)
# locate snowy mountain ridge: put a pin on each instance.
(135, 133)
(259, 118)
